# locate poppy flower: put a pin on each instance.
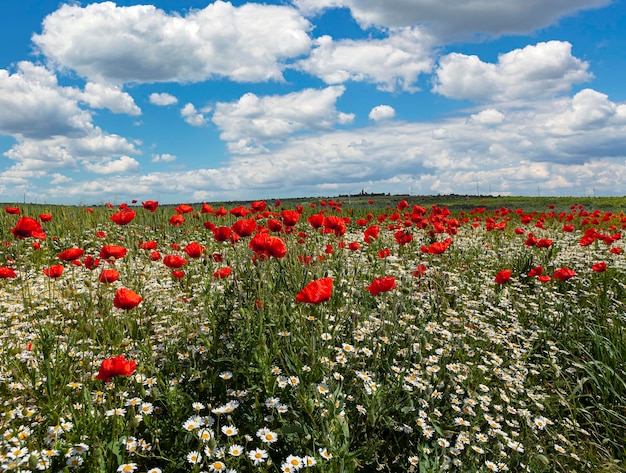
(384, 253)
(274, 225)
(126, 299)
(616, 251)
(28, 227)
(599, 267)
(71, 254)
(108, 276)
(6, 272)
(266, 246)
(290, 217)
(420, 271)
(240, 211)
(316, 292)
(155, 256)
(221, 212)
(178, 274)
(244, 227)
(354, 246)
(335, 225)
(123, 217)
(91, 263)
(174, 261)
(45, 217)
(184, 209)
(217, 257)
(222, 233)
(536, 271)
(148, 245)
(370, 233)
(403, 237)
(177, 220)
(206, 209)
(116, 366)
(101, 234)
(379, 285)
(114, 252)
(222, 273)
(503, 276)
(544, 243)
(564, 274)
(150, 205)
(439, 247)
(194, 250)
(13, 210)
(53, 271)
(543, 279)
(258, 206)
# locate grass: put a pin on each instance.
(448, 370)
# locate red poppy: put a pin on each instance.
(71, 254)
(403, 237)
(420, 271)
(384, 253)
(222, 233)
(439, 247)
(217, 257)
(101, 235)
(123, 217)
(536, 271)
(112, 252)
(108, 276)
(266, 246)
(370, 233)
(274, 225)
(599, 267)
(222, 273)
(178, 274)
(240, 211)
(258, 206)
(334, 224)
(177, 220)
(354, 246)
(126, 299)
(13, 210)
(116, 366)
(45, 217)
(28, 227)
(544, 243)
(155, 256)
(174, 261)
(6, 273)
(150, 205)
(379, 285)
(220, 212)
(403, 204)
(568, 228)
(89, 209)
(244, 227)
(206, 209)
(290, 217)
(305, 259)
(91, 263)
(149, 245)
(316, 292)
(194, 249)
(53, 271)
(503, 276)
(543, 279)
(616, 251)
(564, 274)
(184, 209)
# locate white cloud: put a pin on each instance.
(59, 179)
(252, 121)
(163, 99)
(163, 158)
(393, 63)
(109, 44)
(192, 116)
(534, 72)
(381, 112)
(490, 116)
(124, 164)
(457, 19)
(111, 97)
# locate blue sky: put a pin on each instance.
(213, 101)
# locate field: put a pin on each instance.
(360, 333)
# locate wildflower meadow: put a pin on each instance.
(317, 336)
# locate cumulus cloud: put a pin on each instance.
(106, 43)
(536, 71)
(393, 63)
(111, 97)
(192, 116)
(163, 158)
(490, 116)
(162, 99)
(124, 164)
(252, 121)
(381, 112)
(457, 19)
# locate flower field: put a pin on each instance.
(316, 337)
